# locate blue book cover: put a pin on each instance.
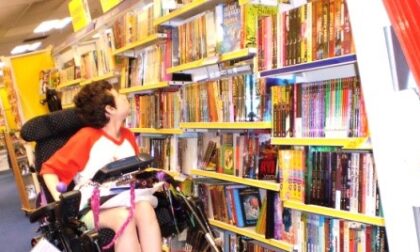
(231, 27)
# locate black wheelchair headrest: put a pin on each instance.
(51, 125)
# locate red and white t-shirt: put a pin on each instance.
(88, 151)
(85, 153)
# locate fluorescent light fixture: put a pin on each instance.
(48, 25)
(26, 48)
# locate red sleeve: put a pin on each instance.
(131, 138)
(72, 157)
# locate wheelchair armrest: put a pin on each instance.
(44, 211)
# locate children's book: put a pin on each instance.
(250, 205)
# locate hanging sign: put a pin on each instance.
(109, 4)
(79, 12)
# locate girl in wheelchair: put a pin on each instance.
(102, 141)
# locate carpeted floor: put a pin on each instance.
(16, 231)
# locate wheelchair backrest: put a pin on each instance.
(50, 132)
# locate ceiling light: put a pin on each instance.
(26, 48)
(48, 25)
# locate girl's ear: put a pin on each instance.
(109, 109)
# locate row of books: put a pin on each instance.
(329, 177)
(133, 26)
(226, 28)
(160, 148)
(157, 110)
(68, 94)
(234, 242)
(96, 57)
(235, 99)
(234, 204)
(316, 30)
(311, 232)
(248, 155)
(147, 68)
(333, 108)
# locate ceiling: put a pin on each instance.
(18, 19)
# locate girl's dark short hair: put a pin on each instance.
(91, 102)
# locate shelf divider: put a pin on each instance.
(264, 184)
(250, 232)
(358, 217)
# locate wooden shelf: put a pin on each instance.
(69, 83)
(225, 125)
(187, 11)
(157, 131)
(352, 143)
(98, 78)
(238, 54)
(140, 44)
(264, 184)
(373, 220)
(250, 232)
(310, 66)
(146, 87)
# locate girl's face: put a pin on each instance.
(121, 103)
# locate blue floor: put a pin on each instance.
(16, 231)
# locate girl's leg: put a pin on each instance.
(148, 227)
(114, 218)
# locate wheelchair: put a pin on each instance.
(60, 221)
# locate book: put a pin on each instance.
(232, 27)
(267, 162)
(250, 204)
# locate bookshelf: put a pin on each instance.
(157, 131)
(138, 45)
(249, 232)
(338, 65)
(26, 181)
(273, 186)
(326, 69)
(106, 76)
(186, 11)
(236, 55)
(348, 143)
(314, 209)
(225, 125)
(69, 83)
(145, 87)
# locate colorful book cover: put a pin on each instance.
(250, 205)
(228, 159)
(231, 27)
(267, 162)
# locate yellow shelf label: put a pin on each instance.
(79, 12)
(109, 4)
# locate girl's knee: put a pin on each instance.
(145, 212)
(114, 218)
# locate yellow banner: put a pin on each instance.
(79, 12)
(109, 4)
(27, 81)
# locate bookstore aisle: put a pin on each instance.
(16, 231)
(271, 106)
